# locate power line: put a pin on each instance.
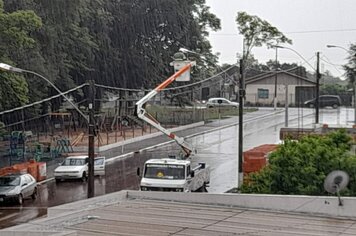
(44, 100)
(334, 65)
(295, 32)
(36, 117)
(168, 89)
(113, 88)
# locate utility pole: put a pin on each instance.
(275, 81)
(91, 137)
(241, 105)
(286, 107)
(354, 88)
(318, 76)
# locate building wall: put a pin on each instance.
(283, 81)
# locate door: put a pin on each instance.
(303, 93)
(26, 186)
(99, 166)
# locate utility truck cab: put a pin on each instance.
(174, 176)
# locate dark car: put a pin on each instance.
(333, 101)
(17, 187)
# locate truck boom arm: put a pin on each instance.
(142, 114)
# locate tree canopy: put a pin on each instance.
(126, 43)
(15, 39)
(257, 32)
(350, 67)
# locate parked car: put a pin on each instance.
(17, 187)
(76, 167)
(221, 102)
(99, 166)
(333, 101)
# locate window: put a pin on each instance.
(74, 162)
(99, 161)
(164, 171)
(9, 181)
(26, 179)
(262, 93)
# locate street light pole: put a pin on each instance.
(90, 121)
(91, 139)
(6, 67)
(241, 105)
(354, 82)
(275, 81)
(318, 75)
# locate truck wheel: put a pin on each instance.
(202, 189)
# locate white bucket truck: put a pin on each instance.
(174, 175)
(171, 174)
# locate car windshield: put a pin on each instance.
(9, 181)
(73, 162)
(164, 171)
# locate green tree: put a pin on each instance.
(126, 43)
(15, 39)
(300, 167)
(257, 32)
(350, 67)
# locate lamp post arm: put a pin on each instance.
(277, 46)
(18, 70)
(59, 91)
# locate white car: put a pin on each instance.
(99, 166)
(221, 102)
(76, 167)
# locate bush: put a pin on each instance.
(300, 167)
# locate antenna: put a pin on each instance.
(336, 181)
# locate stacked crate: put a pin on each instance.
(257, 158)
(36, 169)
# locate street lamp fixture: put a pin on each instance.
(90, 121)
(335, 46)
(189, 51)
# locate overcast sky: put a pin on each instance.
(311, 24)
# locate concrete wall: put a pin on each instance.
(313, 205)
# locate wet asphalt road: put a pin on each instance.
(218, 149)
